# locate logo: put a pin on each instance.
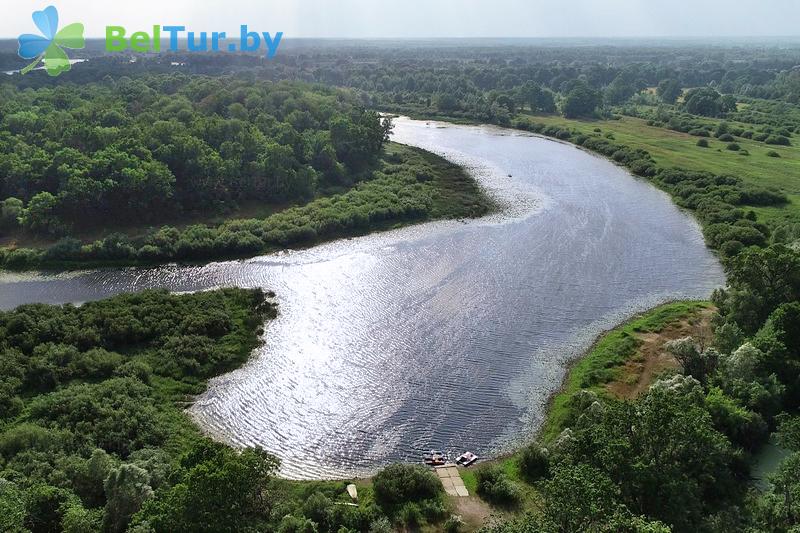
(49, 47)
(141, 41)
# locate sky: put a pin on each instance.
(426, 18)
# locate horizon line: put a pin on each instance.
(495, 37)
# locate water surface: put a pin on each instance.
(449, 334)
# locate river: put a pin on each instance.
(446, 335)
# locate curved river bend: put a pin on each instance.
(449, 334)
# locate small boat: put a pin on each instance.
(434, 458)
(466, 459)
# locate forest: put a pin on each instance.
(140, 149)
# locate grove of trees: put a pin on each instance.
(145, 150)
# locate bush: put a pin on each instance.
(533, 462)
(454, 524)
(495, 487)
(733, 147)
(410, 516)
(698, 132)
(777, 139)
(726, 137)
(400, 483)
(773, 153)
(643, 167)
(731, 248)
(702, 143)
(10, 211)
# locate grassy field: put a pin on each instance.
(675, 149)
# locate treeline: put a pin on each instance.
(93, 437)
(408, 185)
(495, 79)
(131, 151)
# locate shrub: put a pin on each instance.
(432, 510)
(773, 153)
(731, 248)
(726, 137)
(533, 462)
(733, 147)
(698, 132)
(317, 507)
(643, 167)
(454, 524)
(777, 139)
(495, 487)
(702, 143)
(65, 249)
(410, 516)
(400, 483)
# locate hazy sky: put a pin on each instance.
(427, 18)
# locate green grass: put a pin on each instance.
(509, 465)
(604, 361)
(675, 149)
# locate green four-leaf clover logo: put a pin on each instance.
(49, 47)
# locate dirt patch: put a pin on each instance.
(651, 359)
(475, 512)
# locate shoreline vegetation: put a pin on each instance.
(410, 186)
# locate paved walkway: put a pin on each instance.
(451, 480)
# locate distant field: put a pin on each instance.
(672, 148)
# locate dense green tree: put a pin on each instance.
(220, 490)
(669, 90)
(581, 101)
(126, 489)
(703, 101)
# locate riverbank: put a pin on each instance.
(621, 363)
(735, 201)
(410, 186)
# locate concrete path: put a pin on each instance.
(451, 480)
